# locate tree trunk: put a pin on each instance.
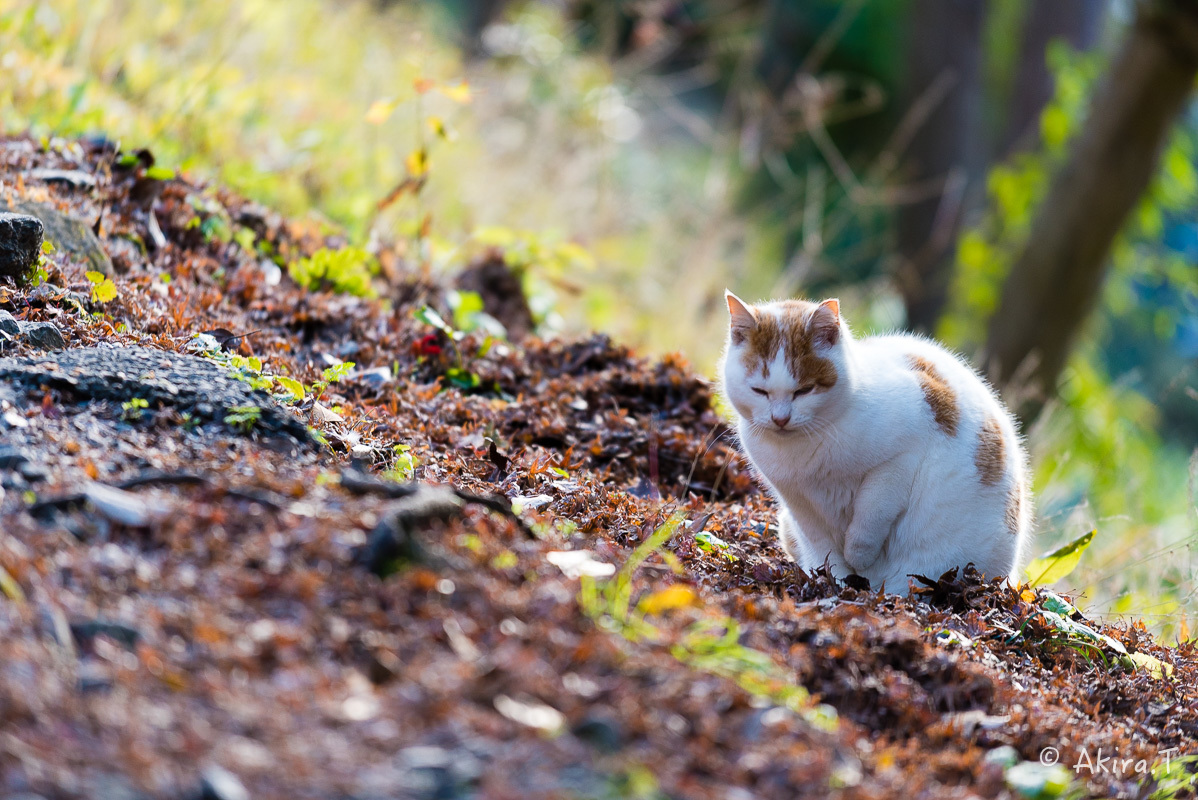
(944, 44)
(1078, 22)
(1055, 282)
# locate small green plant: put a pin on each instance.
(345, 271)
(1175, 777)
(103, 289)
(243, 418)
(711, 645)
(40, 270)
(403, 469)
(710, 543)
(331, 375)
(293, 390)
(456, 375)
(134, 409)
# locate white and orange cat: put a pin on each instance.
(888, 455)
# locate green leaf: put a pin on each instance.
(293, 387)
(430, 317)
(462, 378)
(1054, 566)
(337, 371)
(709, 541)
(160, 174)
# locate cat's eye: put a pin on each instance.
(761, 392)
(802, 391)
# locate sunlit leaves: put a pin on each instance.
(380, 111)
(459, 92)
(103, 289)
(417, 162)
(437, 126)
(345, 271)
(294, 388)
(670, 598)
(1054, 566)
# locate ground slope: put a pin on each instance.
(207, 590)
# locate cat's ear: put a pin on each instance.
(825, 322)
(742, 317)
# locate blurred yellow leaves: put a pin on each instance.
(438, 126)
(380, 111)
(417, 162)
(459, 93)
(669, 599)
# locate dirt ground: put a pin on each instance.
(208, 592)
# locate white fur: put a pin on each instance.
(863, 475)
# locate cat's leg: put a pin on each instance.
(883, 496)
(809, 548)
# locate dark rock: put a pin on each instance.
(186, 383)
(9, 324)
(502, 293)
(71, 236)
(393, 544)
(86, 632)
(20, 245)
(218, 783)
(601, 730)
(44, 335)
(12, 457)
(436, 773)
(33, 473)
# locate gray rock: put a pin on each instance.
(12, 457)
(20, 245)
(44, 335)
(8, 324)
(72, 236)
(71, 177)
(33, 473)
(170, 380)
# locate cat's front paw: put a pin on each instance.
(860, 553)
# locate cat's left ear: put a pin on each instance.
(825, 322)
(741, 316)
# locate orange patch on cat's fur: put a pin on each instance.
(1014, 509)
(939, 396)
(990, 457)
(795, 331)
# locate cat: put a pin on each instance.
(888, 456)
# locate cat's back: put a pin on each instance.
(954, 391)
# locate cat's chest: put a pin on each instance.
(817, 487)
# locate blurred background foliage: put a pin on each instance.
(633, 158)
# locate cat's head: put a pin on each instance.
(784, 361)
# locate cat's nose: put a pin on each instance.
(780, 419)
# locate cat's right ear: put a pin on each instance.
(742, 317)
